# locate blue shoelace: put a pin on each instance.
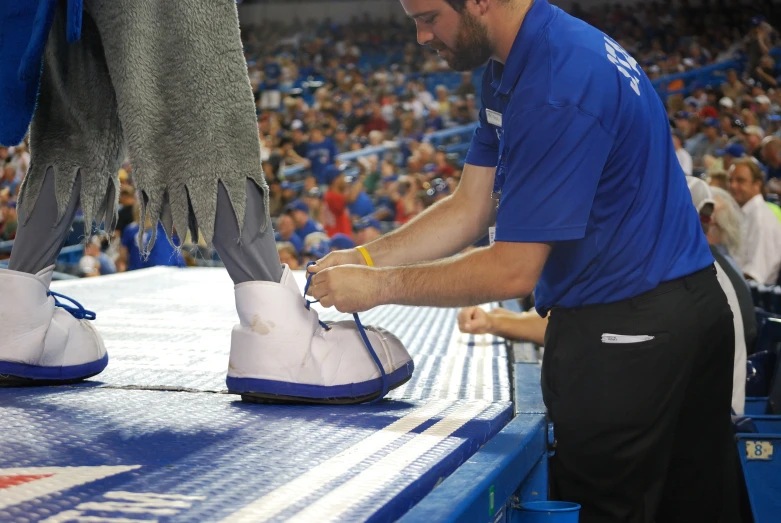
(78, 312)
(361, 330)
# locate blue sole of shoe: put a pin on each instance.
(270, 391)
(21, 374)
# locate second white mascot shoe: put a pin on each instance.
(281, 352)
(43, 341)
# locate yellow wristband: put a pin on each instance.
(365, 255)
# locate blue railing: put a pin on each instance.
(714, 74)
(436, 138)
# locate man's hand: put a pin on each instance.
(337, 258)
(474, 320)
(348, 288)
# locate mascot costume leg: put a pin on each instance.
(163, 83)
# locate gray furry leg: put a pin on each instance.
(253, 257)
(41, 235)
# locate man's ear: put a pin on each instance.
(479, 7)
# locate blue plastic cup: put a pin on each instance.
(548, 512)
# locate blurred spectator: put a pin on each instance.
(341, 242)
(304, 224)
(286, 233)
(733, 87)
(367, 230)
(8, 180)
(95, 262)
(760, 257)
(129, 253)
(271, 96)
(684, 158)
(316, 246)
(320, 153)
(466, 87)
(336, 215)
(718, 178)
(758, 43)
(288, 255)
(162, 252)
(408, 203)
(9, 221)
(127, 198)
(729, 154)
(314, 201)
(710, 142)
(362, 204)
(771, 157)
(754, 136)
(726, 227)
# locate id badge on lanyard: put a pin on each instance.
(499, 178)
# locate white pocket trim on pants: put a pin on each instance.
(623, 338)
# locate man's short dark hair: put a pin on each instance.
(457, 5)
(460, 5)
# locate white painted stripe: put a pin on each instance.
(63, 478)
(454, 385)
(504, 377)
(306, 484)
(471, 378)
(334, 505)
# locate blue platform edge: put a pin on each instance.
(207, 449)
(510, 468)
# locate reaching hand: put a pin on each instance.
(474, 320)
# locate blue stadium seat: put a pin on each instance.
(761, 466)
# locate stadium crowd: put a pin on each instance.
(323, 89)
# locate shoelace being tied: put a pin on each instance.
(78, 312)
(361, 330)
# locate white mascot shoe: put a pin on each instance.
(43, 342)
(281, 352)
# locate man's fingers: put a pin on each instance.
(463, 316)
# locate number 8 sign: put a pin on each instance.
(759, 450)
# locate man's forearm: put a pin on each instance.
(487, 274)
(523, 326)
(442, 230)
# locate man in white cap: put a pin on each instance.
(763, 110)
(754, 136)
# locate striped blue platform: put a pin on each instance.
(155, 436)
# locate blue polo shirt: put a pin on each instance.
(585, 160)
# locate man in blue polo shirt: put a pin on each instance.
(574, 161)
(299, 211)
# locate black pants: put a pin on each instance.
(643, 430)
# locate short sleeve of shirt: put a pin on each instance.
(553, 162)
(484, 149)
